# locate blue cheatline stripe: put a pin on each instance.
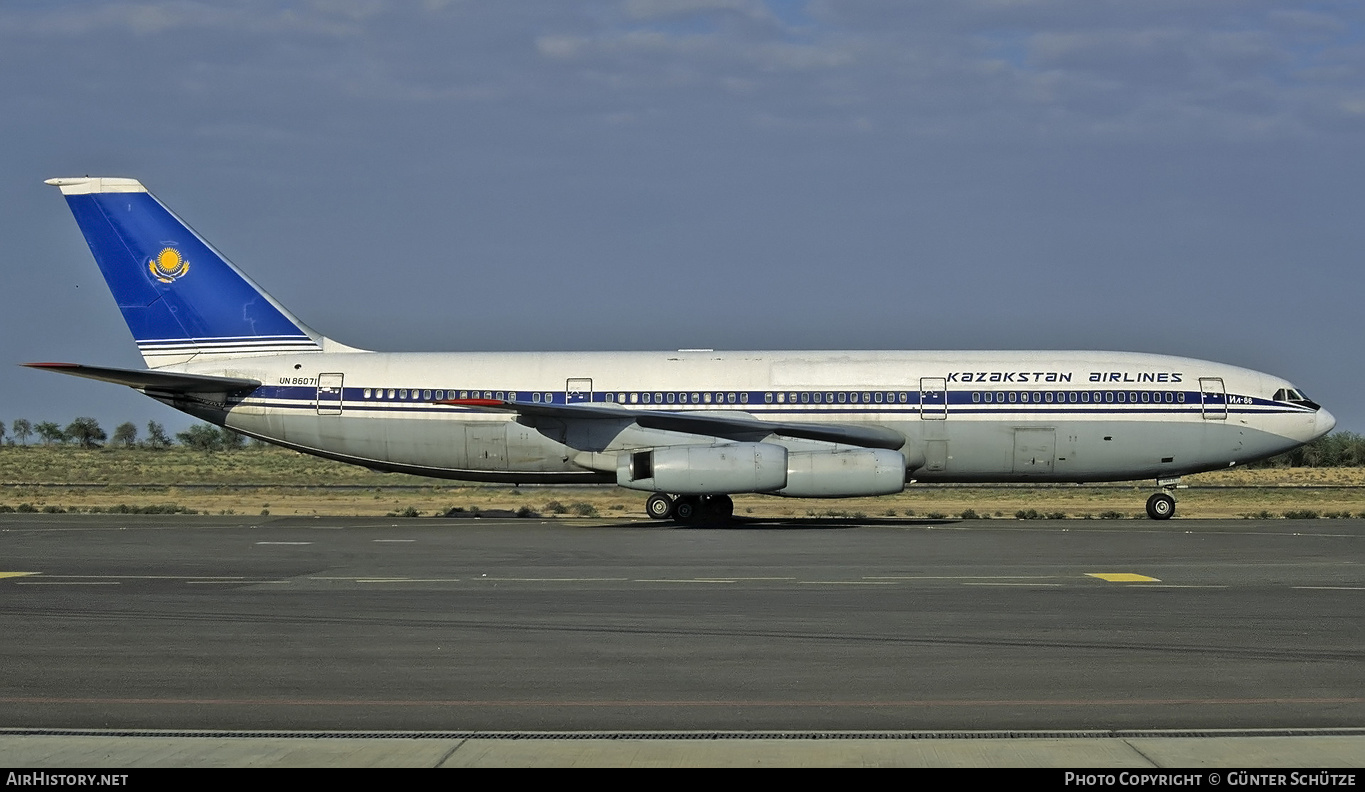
(305, 397)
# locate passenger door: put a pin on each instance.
(933, 398)
(578, 390)
(1213, 398)
(329, 394)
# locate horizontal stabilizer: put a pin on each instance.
(730, 425)
(154, 380)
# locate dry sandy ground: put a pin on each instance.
(280, 482)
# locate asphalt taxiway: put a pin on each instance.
(119, 626)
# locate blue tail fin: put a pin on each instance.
(181, 298)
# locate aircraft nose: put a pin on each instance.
(1323, 423)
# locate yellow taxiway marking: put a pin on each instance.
(1122, 577)
(18, 574)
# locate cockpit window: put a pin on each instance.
(1295, 396)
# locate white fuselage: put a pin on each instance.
(965, 416)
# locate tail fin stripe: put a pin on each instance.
(226, 341)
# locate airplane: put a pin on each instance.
(691, 427)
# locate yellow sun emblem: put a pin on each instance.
(168, 265)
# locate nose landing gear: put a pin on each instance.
(1161, 506)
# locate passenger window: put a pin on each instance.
(634, 398)
(1012, 397)
(767, 398)
(843, 397)
(1146, 397)
(535, 397)
(805, 397)
(403, 394)
(1048, 397)
(426, 394)
(706, 398)
(976, 396)
(1132, 397)
(878, 397)
(367, 393)
(781, 398)
(817, 396)
(730, 397)
(744, 397)
(658, 398)
(1180, 397)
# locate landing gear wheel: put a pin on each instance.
(1160, 506)
(659, 506)
(686, 509)
(721, 507)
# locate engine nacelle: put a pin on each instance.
(844, 474)
(705, 470)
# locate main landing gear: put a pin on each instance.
(1161, 506)
(690, 509)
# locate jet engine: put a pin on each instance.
(705, 470)
(762, 467)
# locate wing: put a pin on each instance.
(154, 380)
(730, 425)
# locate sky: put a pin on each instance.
(1155, 176)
